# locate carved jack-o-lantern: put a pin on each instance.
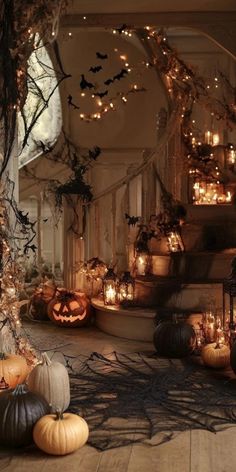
(69, 309)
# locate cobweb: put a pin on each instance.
(128, 398)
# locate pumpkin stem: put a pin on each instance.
(217, 346)
(20, 389)
(2, 356)
(45, 359)
(59, 415)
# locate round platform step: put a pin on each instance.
(135, 323)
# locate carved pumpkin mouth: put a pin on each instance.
(69, 318)
(65, 314)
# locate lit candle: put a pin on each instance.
(141, 265)
(196, 191)
(215, 139)
(231, 155)
(208, 137)
(110, 295)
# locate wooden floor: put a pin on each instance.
(195, 451)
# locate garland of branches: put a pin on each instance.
(76, 163)
(23, 25)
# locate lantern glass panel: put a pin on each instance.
(110, 288)
(126, 288)
(142, 263)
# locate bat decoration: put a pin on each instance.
(32, 247)
(23, 218)
(44, 147)
(121, 29)
(101, 94)
(132, 220)
(95, 69)
(85, 84)
(121, 74)
(94, 153)
(101, 56)
(108, 81)
(70, 102)
(45, 220)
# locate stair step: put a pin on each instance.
(175, 294)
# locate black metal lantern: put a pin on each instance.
(126, 288)
(230, 156)
(110, 288)
(229, 299)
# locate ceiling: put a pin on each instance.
(131, 6)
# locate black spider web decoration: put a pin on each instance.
(128, 398)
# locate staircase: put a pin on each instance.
(190, 280)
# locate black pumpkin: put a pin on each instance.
(174, 339)
(19, 411)
(233, 357)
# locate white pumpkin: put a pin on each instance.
(51, 380)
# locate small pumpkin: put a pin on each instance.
(13, 368)
(50, 379)
(69, 309)
(38, 307)
(216, 355)
(19, 411)
(60, 434)
(173, 339)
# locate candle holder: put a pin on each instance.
(143, 259)
(126, 288)
(229, 300)
(175, 242)
(230, 157)
(110, 288)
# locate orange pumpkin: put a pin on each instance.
(69, 309)
(13, 368)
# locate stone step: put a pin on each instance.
(175, 294)
(193, 266)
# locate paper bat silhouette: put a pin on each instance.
(108, 81)
(132, 220)
(94, 153)
(44, 147)
(70, 102)
(85, 84)
(121, 74)
(95, 69)
(101, 56)
(101, 94)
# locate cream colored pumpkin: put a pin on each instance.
(13, 368)
(51, 380)
(216, 355)
(60, 434)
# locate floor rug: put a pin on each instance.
(128, 398)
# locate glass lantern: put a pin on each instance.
(126, 288)
(175, 242)
(231, 157)
(110, 288)
(229, 301)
